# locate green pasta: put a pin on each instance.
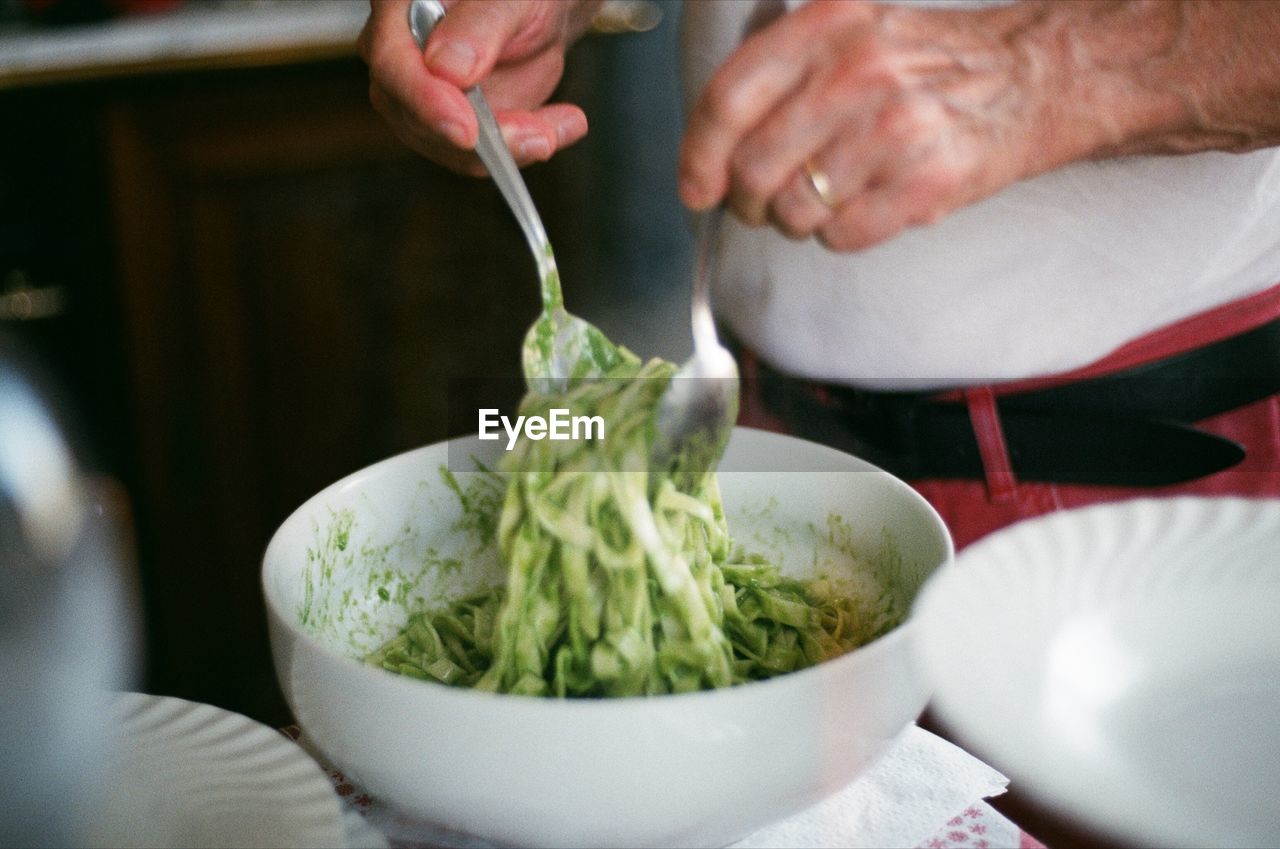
(622, 582)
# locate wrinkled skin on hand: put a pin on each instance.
(914, 112)
(513, 48)
(910, 112)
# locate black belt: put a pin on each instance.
(1128, 428)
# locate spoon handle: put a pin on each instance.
(492, 150)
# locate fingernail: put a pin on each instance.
(455, 58)
(455, 133)
(566, 130)
(562, 131)
(534, 147)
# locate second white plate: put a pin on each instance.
(1122, 662)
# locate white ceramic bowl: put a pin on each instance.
(1122, 663)
(696, 769)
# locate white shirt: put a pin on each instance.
(1048, 275)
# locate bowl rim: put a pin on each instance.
(884, 644)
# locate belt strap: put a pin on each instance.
(1130, 428)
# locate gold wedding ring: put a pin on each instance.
(821, 184)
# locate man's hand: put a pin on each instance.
(900, 115)
(514, 49)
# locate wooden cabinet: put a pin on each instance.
(262, 290)
(286, 294)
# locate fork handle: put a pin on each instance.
(704, 323)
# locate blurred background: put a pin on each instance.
(241, 287)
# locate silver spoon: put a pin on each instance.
(696, 414)
(559, 347)
(699, 406)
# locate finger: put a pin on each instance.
(769, 156)
(530, 137)
(844, 164)
(867, 219)
(756, 80)
(470, 38)
(422, 139)
(396, 69)
(913, 183)
(797, 211)
(766, 160)
(568, 123)
(764, 70)
(533, 136)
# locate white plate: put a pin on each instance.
(192, 775)
(1122, 662)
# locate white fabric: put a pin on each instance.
(1048, 275)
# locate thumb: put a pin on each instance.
(466, 43)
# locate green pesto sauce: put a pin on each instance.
(625, 583)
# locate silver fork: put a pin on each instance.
(696, 413)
